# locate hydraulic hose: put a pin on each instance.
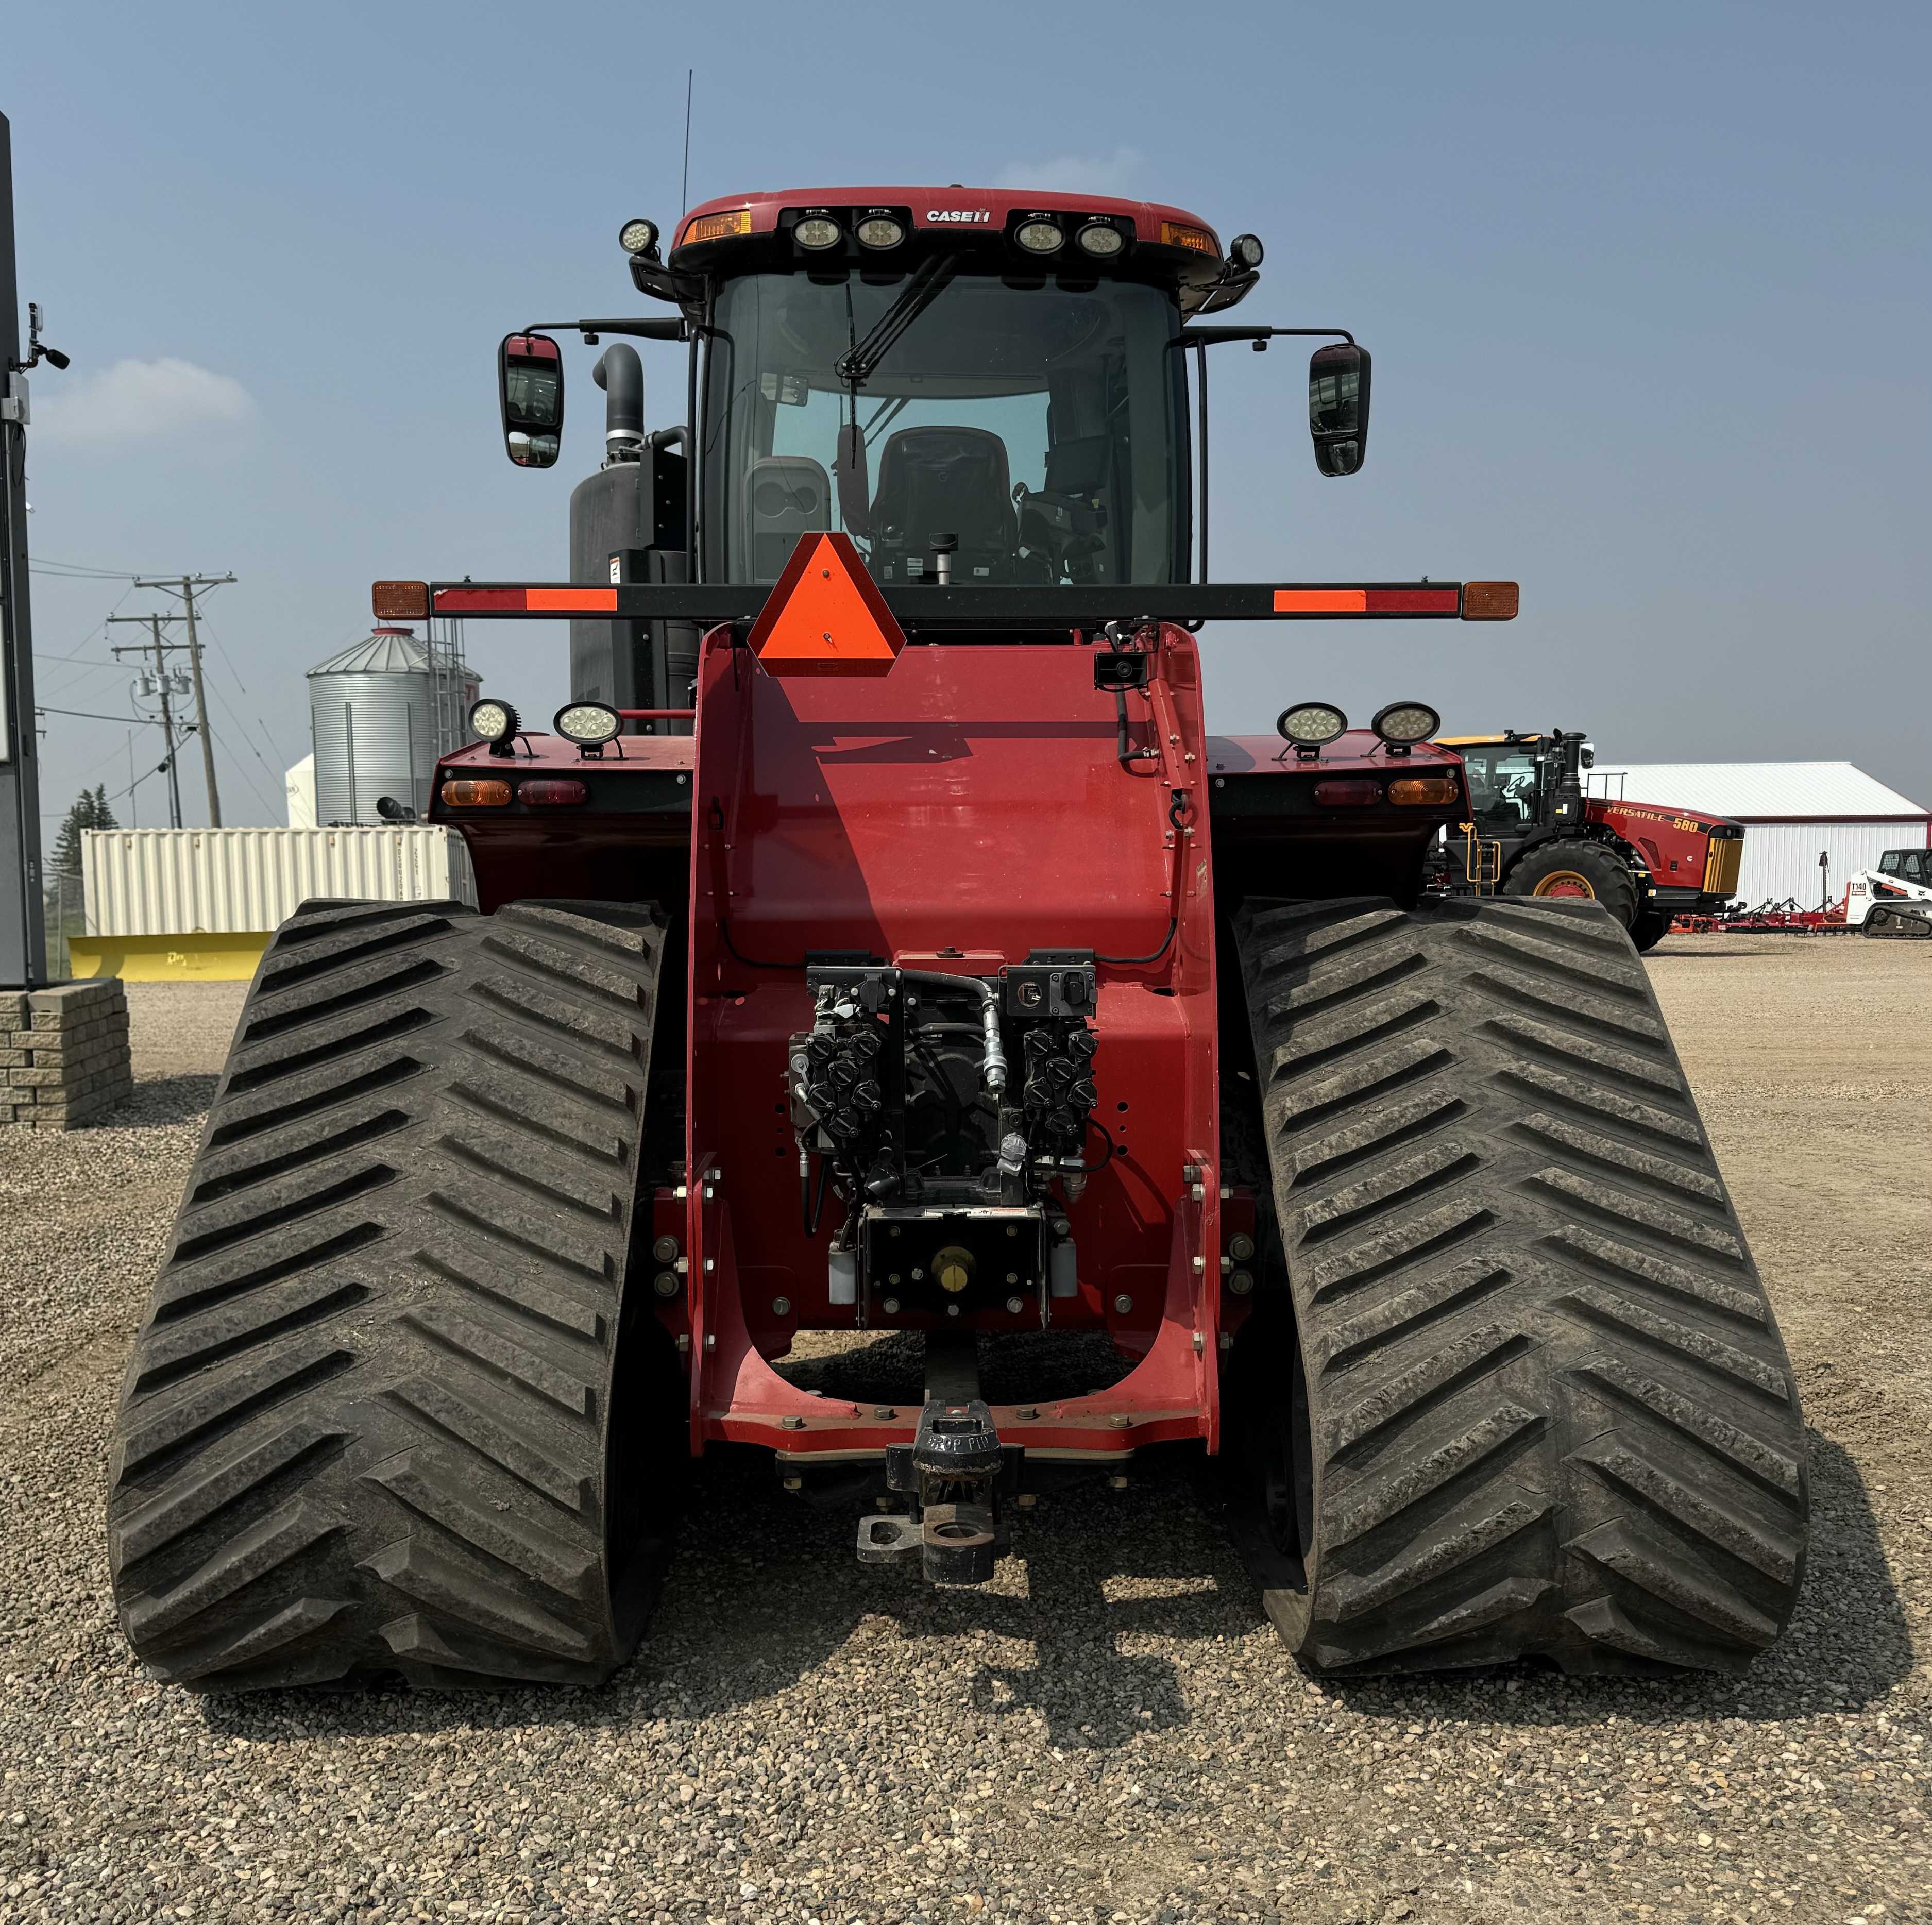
(994, 1065)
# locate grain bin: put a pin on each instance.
(380, 712)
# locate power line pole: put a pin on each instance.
(23, 949)
(184, 586)
(162, 650)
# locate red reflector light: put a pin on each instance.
(1195, 240)
(1413, 789)
(1347, 795)
(545, 789)
(718, 227)
(399, 601)
(487, 795)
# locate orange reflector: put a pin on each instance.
(487, 795)
(718, 227)
(1346, 795)
(1413, 789)
(1489, 601)
(1320, 601)
(399, 601)
(825, 615)
(1195, 240)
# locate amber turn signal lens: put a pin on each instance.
(718, 227)
(1424, 789)
(1345, 794)
(476, 794)
(399, 601)
(1195, 240)
(545, 789)
(1489, 601)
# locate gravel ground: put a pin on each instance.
(1108, 1733)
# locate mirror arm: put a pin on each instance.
(664, 327)
(1214, 336)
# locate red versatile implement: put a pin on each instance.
(879, 944)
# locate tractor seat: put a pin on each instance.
(951, 478)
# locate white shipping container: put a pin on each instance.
(181, 881)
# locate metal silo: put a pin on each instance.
(380, 714)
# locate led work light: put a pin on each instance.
(637, 237)
(1099, 239)
(817, 232)
(1307, 726)
(1040, 237)
(496, 723)
(1402, 723)
(589, 724)
(879, 230)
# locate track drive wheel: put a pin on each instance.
(1578, 871)
(1649, 929)
(400, 1406)
(1519, 1391)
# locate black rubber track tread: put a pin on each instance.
(367, 1429)
(1550, 1414)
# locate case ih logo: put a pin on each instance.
(968, 214)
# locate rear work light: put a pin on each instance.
(399, 601)
(1099, 239)
(1195, 240)
(817, 232)
(552, 790)
(476, 794)
(1342, 794)
(1414, 790)
(879, 230)
(1040, 237)
(718, 227)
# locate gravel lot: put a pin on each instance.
(1109, 1733)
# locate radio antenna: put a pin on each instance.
(684, 208)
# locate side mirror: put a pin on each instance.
(530, 384)
(1338, 407)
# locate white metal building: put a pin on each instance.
(1793, 812)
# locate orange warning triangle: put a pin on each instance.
(825, 615)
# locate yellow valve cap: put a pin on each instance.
(954, 1268)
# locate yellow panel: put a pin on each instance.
(228, 957)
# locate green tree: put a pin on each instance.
(90, 811)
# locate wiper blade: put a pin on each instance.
(856, 366)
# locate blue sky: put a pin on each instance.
(1646, 286)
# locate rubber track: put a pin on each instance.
(367, 1426)
(1551, 1413)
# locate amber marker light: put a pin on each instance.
(476, 794)
(1415, 790)
(1489, 601)
(718, 227)
(399, 601)
(1195, 240)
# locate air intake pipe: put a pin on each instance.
(621, 375)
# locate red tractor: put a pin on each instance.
(1533, 831)
(932, 975)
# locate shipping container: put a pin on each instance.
(142, 882)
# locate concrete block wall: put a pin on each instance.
(63, 1055)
